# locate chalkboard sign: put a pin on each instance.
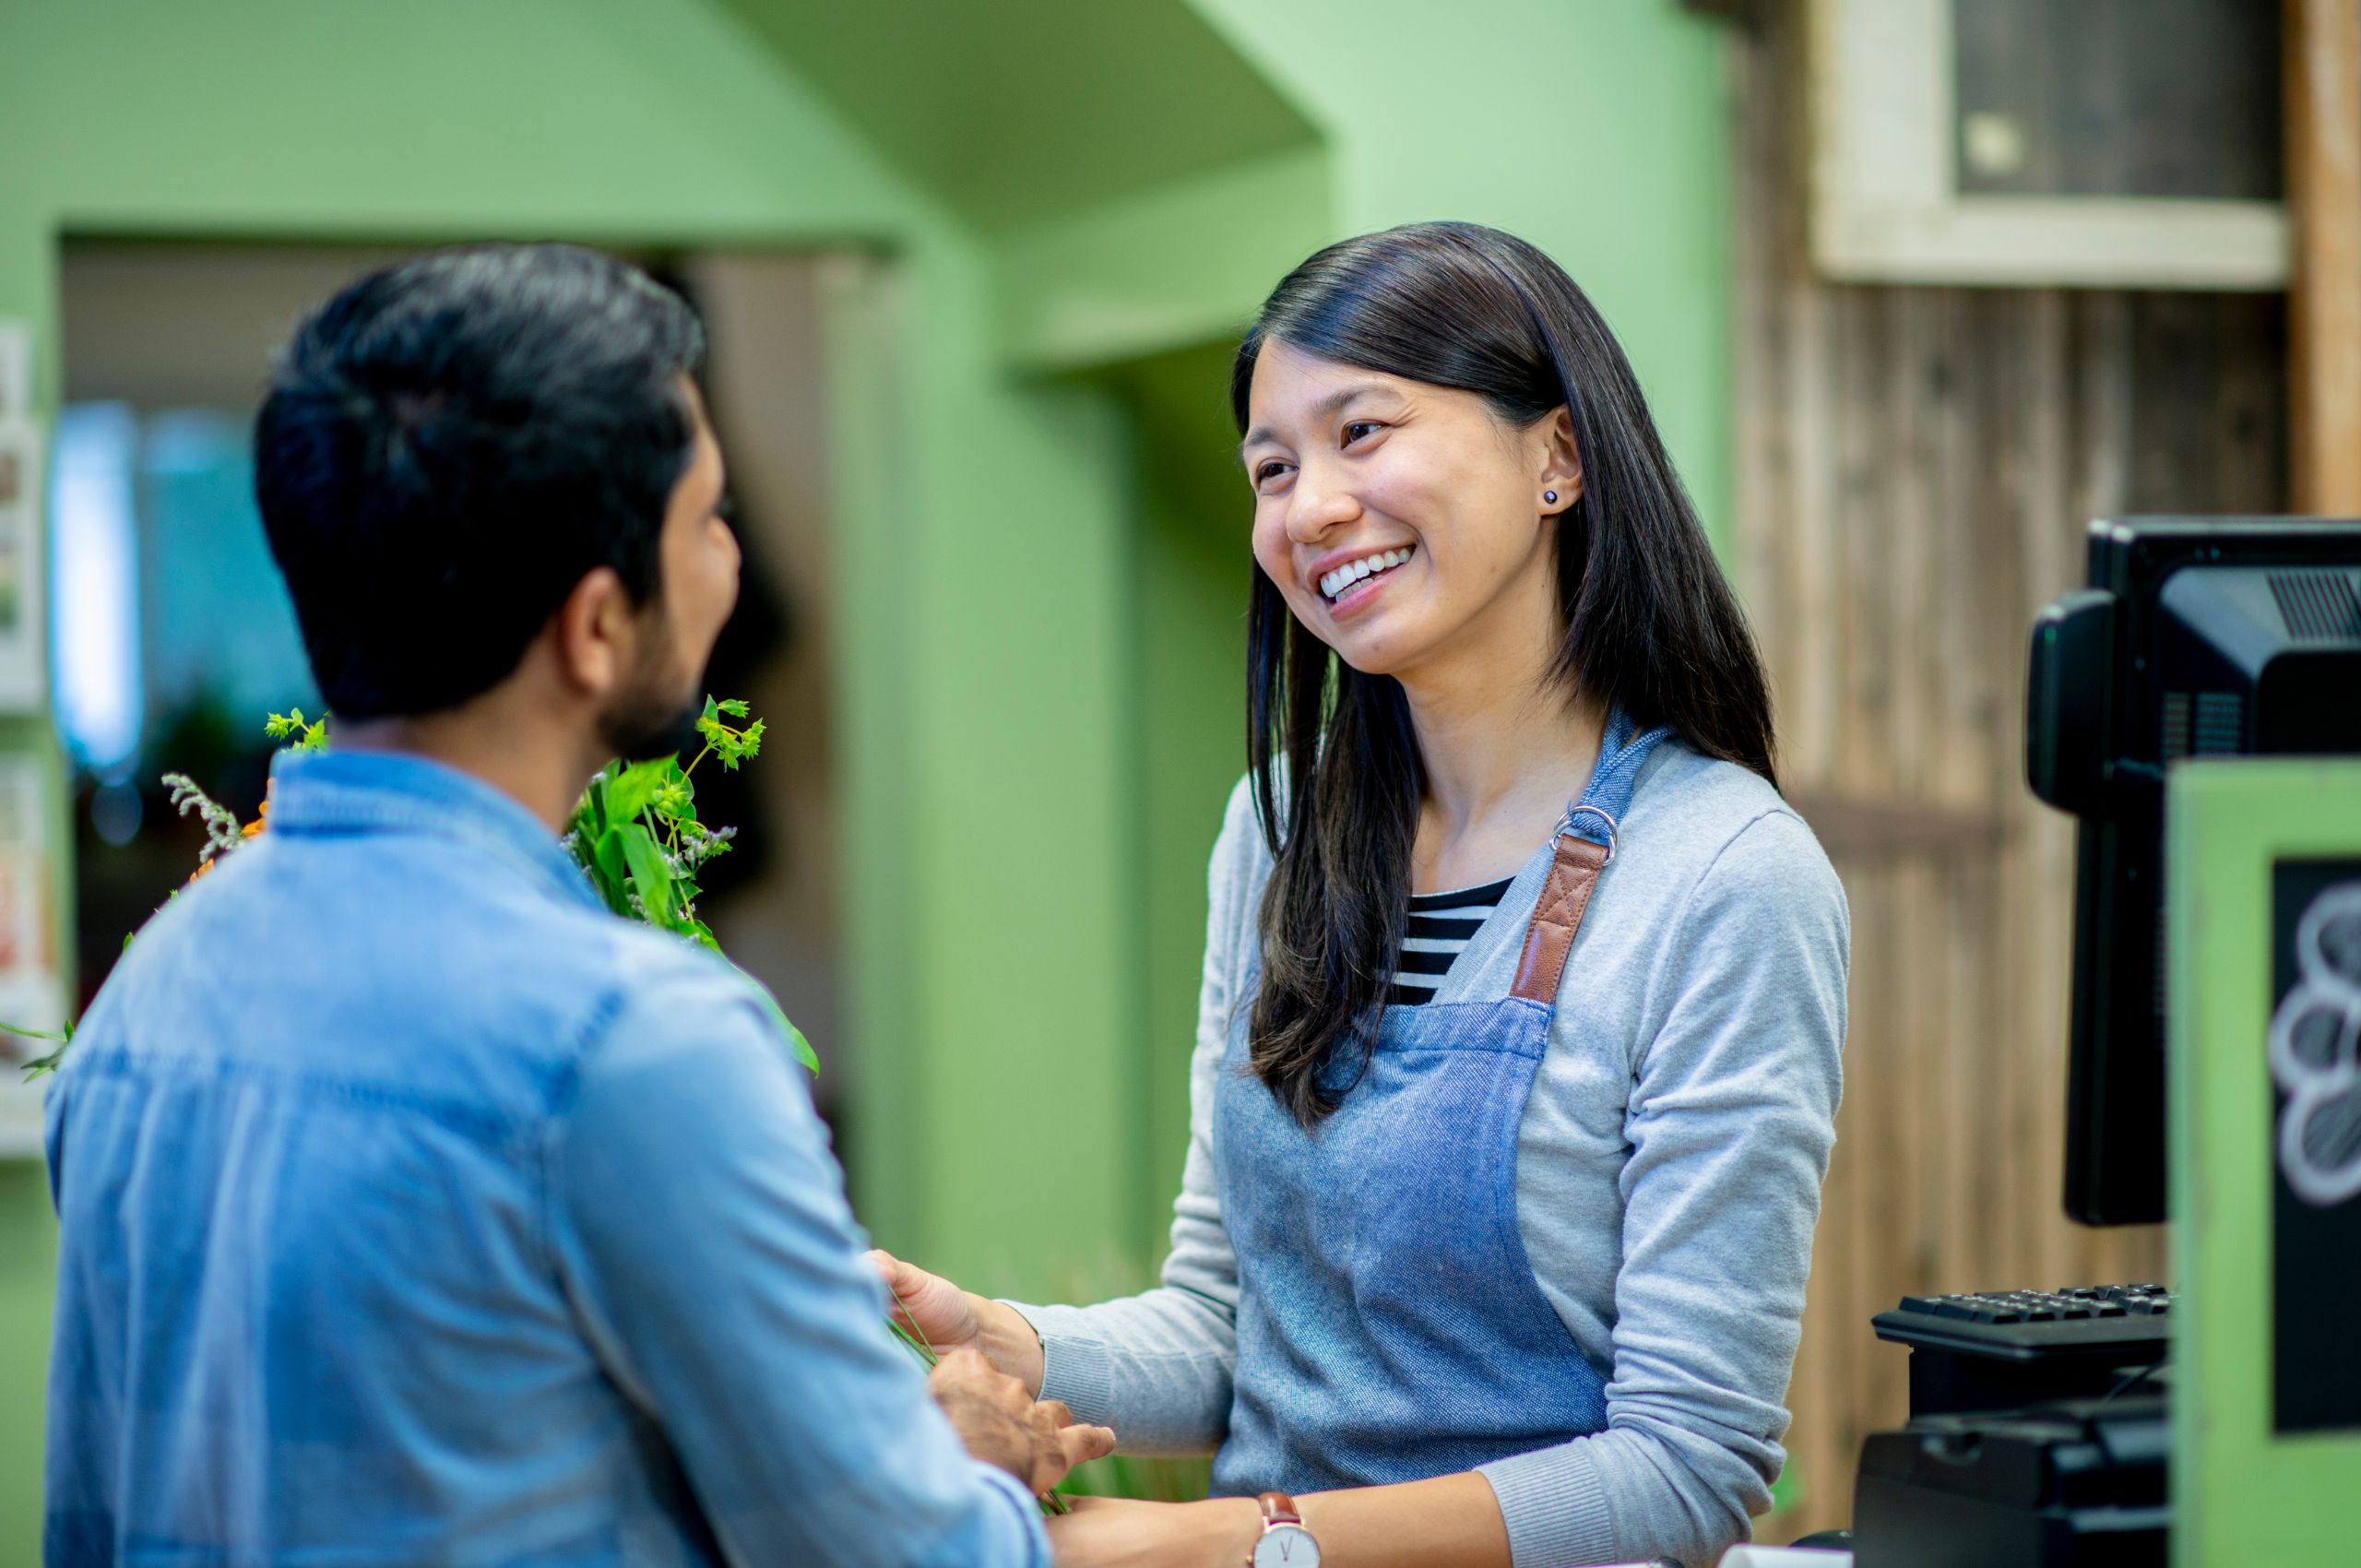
(2263, 900)
(2316, 1139)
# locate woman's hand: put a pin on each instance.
(950, 1319)
(1110, 1532)
(929, 1306)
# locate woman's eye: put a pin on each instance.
(1267, 472)
(1358, 429)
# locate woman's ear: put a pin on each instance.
(595, 634)
(1561, 465)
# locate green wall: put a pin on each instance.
(1023, 111)
(1043, 535)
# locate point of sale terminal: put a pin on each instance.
(2043, 1424)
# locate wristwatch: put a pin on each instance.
(1284, 1543)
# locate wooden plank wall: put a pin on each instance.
(1916, 466)
(2321, 41)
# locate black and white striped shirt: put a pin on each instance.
(1439, 925)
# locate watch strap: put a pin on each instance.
(1278, 1508)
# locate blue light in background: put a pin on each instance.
(166, 600)
(96, 690)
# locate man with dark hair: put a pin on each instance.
(414, 1209)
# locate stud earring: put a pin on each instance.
(1550, 496)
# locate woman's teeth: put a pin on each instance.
(1345, 575)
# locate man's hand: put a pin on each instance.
(1000, 1424)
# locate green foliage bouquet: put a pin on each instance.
(635, 836)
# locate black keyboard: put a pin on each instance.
(2123, 1324)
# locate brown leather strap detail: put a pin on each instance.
(1572, 874)
(1278, 1508)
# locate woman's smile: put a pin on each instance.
(1347, 587)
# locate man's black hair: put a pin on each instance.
(451, 444)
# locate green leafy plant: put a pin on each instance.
(299, 734)
(40, 1065)
(635, 835)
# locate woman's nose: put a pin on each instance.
(1313, 511)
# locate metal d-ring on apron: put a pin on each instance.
(1389, 1325)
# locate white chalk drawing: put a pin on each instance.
(2316, 1052)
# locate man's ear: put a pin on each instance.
(596, 633)
(1561, 463)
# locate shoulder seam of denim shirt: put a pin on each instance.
(345, 793)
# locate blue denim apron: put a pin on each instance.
(1389, 1325)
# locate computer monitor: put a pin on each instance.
(2197, 637)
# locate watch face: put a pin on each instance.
(1286, 1545)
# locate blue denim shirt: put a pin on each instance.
(416, 1211)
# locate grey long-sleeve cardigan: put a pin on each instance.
(1669, 1170)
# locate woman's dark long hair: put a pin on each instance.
(1650, 624)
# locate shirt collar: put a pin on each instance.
(349, 793)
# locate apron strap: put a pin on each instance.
(1583, 848)
(1564, 898)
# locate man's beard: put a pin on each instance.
(652, 720)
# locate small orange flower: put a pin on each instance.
(261, 821)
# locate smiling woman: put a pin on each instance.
(1448, 385)
(1505, 1265)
